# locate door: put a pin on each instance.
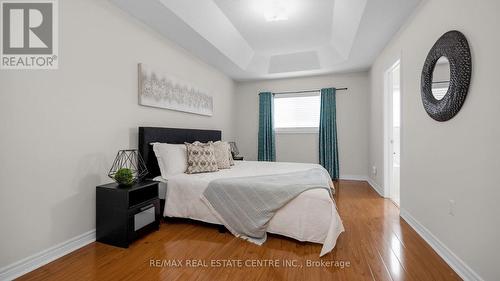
(393, 125)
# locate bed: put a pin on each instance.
(311, 216)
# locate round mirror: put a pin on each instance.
(441, 78)
(446, 76)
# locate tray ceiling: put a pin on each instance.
(259, 39)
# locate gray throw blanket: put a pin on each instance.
(245, 205)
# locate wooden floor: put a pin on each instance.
(377, 244)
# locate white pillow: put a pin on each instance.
(172, 158)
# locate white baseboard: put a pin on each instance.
(354, 177)
(372, 183)
(37, 260)
(376, 187)
(458, 265)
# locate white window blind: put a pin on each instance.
(296, 111)
(439, 93)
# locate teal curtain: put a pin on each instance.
(328, 148)
(267, 145)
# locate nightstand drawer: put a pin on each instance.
(146, 216)
(143, 218)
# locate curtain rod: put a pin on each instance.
(306, 91)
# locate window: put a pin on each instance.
(297, 113)
(439, 93)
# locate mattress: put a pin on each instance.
(312, 216)
(162, 187)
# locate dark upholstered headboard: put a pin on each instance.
(149, 135)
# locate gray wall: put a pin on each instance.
(352, 121)
(61, 129)
(454, 160)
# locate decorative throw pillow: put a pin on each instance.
(221, 154)
(201, 158)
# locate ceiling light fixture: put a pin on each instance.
(275, 10)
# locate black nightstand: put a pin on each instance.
(125, 213)
(238, 158)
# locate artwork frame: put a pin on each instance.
(157, 88)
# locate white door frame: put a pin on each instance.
(388, 110)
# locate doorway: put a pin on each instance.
(393, 132)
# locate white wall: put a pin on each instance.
(454, 160)
(352, 121)
(61, 129)
(287, 144)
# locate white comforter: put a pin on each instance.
(312, 216)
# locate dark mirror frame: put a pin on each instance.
(454, 46)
